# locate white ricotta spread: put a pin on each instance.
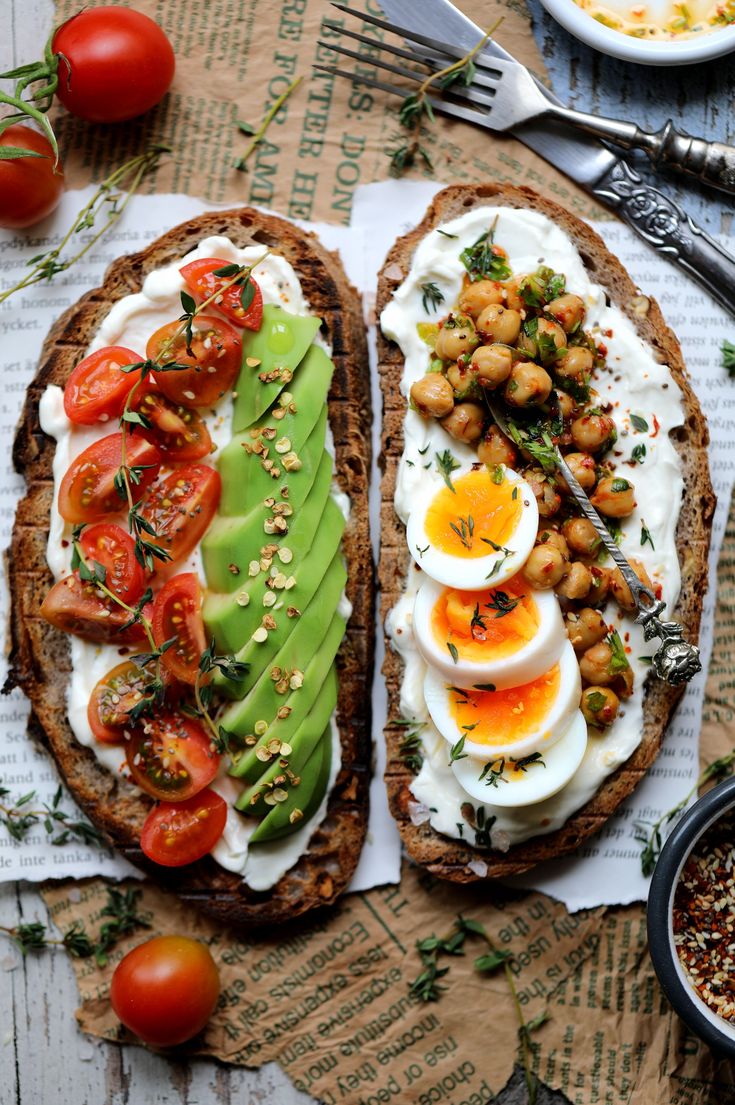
(635, 384)
(130, 323)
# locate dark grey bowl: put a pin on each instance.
(715, 1031)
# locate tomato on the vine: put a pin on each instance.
(79, 607)
(30, 186)
(171, 757)
(242, 304)
(97, 388)
(166, 989)
(179, 432)
(113, 698)
(177, 613)
(177, 833)
(112, 547)
(114, 64)
(181, 506)
(88, 492)
(215, 357)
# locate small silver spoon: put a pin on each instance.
(676, 661)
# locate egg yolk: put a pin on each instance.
(500, 717)
(495, 622)
(474, 518)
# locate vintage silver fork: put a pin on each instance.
(504, 94)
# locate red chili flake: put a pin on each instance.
(656, 426)
(607, 333)
(602, 349)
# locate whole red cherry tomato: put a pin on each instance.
(30, 187)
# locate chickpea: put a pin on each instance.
(567, 405)
(492, 364)
(547, 535)
(495, 448)
(547, 497)
(575, 364)
(614, 497)
(600, 706)
(600, 585)
(527, 344)
(497, 323)
(529, 384)
(462, 377)
(465, 422)
(594, 665)
(592, 432)
(513, 297)
(621, 591)
(585, 628)
(456, 336)
(577, 582)
(545, 567)
(549, 329)
(568, 310)
(432, 395)
(583, 469)
(582, 537)
(474, 298)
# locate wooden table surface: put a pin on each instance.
(44, 1060)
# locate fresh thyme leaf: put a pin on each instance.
(492, 960)
(188, 303)
(533, 759)
(639, 423)
(446, 234)
(18, 819)
(456, 751)
(228, 271)
(453, 651)
(431, 296)
(122, 909)
(638, 453)
(728, 357)
(502, 603)
(422, 551)
(446, 464)
(247, 295)
(410, 748)
(483, 686)
(646, 535)
(244, 128)
(477, 621)
(492, 772)
(465, 530)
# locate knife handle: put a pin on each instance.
(711, 162)
(666, 227)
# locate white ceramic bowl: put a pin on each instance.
(688, 51)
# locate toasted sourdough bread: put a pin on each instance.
(442, 856)
(40, 654)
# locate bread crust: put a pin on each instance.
(40, 654)
(442, 856)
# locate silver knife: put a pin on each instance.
(605, 175)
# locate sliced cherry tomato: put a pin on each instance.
(181, 506)
(30, 187)
(216, 352)
(177, 612)
(177, 833)
(79, 607)
(112, 700)
(200, 276)
(179, 432)
(171, 757)
(166, 989)
(87, 492)
(113, 548)
(97, 388)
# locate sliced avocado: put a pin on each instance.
(233, 618)
(247, 765)
(303, 800)
(278, 346)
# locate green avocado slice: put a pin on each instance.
(304, 799)
(279, 346)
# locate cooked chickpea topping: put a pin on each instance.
(432, 395)
(621, 591)
(600, 585)
(547, 535)
(576, 583)
(513, 298)
(567, 405)
(476, 297)
(465, 422)
(495, 448)
(456, 336)
(614, 497)
(585, 628)
(568, 310)
(461, 376)
(581, 536)
(549, 329)
(529, 384)
(595, 663)
(547, 497)
(498, 323)
(583, 469)
(492, 364)
(575, 364)
(600, 706)
(592, 432)
(545, 567)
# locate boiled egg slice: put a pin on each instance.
(476, 529)
(514, 721)
(522, 781)
(504, 635)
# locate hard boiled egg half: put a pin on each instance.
(477, 527)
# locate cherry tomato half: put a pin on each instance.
(171, 757)
(97, 388)
(177, 833)
(113, 698)
(87, 492)
(181, 506)
(114, 64)
(30, 187)
(177, 612)
(113, 548)
(165, 990)
(81, 608)
(200, 276)
(215, 357)
(179, 432)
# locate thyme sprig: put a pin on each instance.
(409, 748)
(431, 296)
(236, 670)
(445, 465)
(651, 833)
(258, 135)
(18, 816)
(107, 201)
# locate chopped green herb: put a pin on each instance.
(638, 454)
(483, 686)
(619, 484)
(431, 296)
(453, 651)
(422, 551)
(646, 535)
(446, 464)
(498, 475)
(456, 751)
(639, 423)
(595, 701)
(465, 530)
(728, 357)
(502, 603)
(618, 660)
(446, 234)
(483, 261)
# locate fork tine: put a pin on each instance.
(357, 78)
(389, 47)
(379, 62)
(453, 53)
